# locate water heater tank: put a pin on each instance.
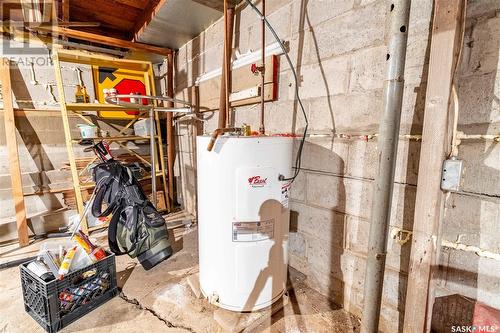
(243, 218)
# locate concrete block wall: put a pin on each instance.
(472, 216)
(339, 49)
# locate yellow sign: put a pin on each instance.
(124, 81)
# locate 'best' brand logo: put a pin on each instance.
(257, 181)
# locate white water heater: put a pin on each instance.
(243, 218)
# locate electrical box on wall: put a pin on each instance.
(451, 175)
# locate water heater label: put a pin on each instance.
(253, 231)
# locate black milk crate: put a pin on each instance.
(42, 301)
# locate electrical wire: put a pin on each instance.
(298, 159)
(455, 141)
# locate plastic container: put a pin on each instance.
(142, 127)
(87, 131)
(42, 300)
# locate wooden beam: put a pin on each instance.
(13, 153)
(65, 14)
(436, 139)
(148, 14)
(81, 35)
(65, 10)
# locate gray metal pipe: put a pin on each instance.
(152, 145)
(399, 12)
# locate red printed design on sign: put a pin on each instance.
(257, 181)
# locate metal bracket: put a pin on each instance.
(451, 175)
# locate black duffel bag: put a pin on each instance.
(136, 228)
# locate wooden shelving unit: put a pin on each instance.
(77, 109)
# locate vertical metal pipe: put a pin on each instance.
(152, 145)
(170, 132)
(262, 129)
(222, 96)
(228, 48)
(399, 12)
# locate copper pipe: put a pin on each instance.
(222, 96)
(225, 87)
(218, 132)
(228, 49)
(262, 129)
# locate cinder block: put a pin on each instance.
(299, 263)
(344, 33)
(250, 28)
(280, 117)
(357, 113)
(325, 154)
(483, 47)
(407, 162)
(488, 282)
(358, 197)
(403, 206)
(327, 285)
(458, 273)
(301, 49)
(357, 233)
(330, 77)
(211, 58)
(420, 17)
(298, 189)
(475, 9)
(312, 13)
(320, 224)
(412, 114)
(324, 257)
(477, 106)
(390, 319)
(297, 244)
(481, 167)
(416, 56)
(213, 34)
(394, 291)
(476, 218)
(368, 69)
(363, 159)
(326, 191)
(321, 114)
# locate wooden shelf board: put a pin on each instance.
(100, 60)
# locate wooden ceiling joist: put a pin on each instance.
(148, 14)
(110, 41)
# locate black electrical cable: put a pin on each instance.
(298, 159)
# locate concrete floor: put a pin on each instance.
(163, 300)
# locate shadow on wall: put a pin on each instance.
(33, 143)
(328, 248)
(303, 17)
